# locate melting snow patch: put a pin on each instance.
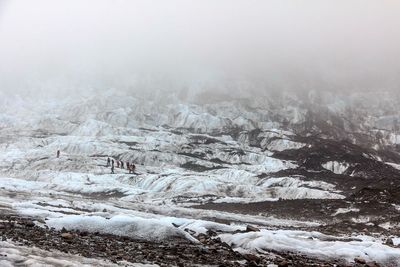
(389, 225)
(361, 219)
(345, 210)
(336, 167)
(295, 188)
(314, 244)
(135, 227)
(394, 165)
(283, 144)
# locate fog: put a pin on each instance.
(230, 45)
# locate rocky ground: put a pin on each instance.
(322, 210)
(175, 252)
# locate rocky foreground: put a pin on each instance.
(210, 251)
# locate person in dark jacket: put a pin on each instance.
(108, 162)
(122, 164)
(133, 167)
(112, 169)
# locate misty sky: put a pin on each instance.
(289, 44)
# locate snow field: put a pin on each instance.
(314, 244)
(310, 243)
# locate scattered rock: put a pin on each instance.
(359, 260)
(211, 233)
(202, 238)
(40, 221)
(30, 223)
(226, 245)
(83, 233)
(389, 242)
(67, 235)
(174, 252)
(251, 257)
(372, 264)
(251, 228)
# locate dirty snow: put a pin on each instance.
(336, 167)
(283, 144)
(345, 210)
(313, 243)
(135, 227)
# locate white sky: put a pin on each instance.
(67, 44)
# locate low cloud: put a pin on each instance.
(251, 46)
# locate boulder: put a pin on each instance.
(29, 224)
(67, 235)
(251, 228)
(251, 257)
(389, 242)
(360, 260)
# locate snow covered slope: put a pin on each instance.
(265, 150)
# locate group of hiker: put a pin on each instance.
(120, 164)
(111, 163)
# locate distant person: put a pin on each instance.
(133, 167)
(122, 164)
(130, 168)
(112, 169)
(112, 162)
(58, 153)
(108, 162)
